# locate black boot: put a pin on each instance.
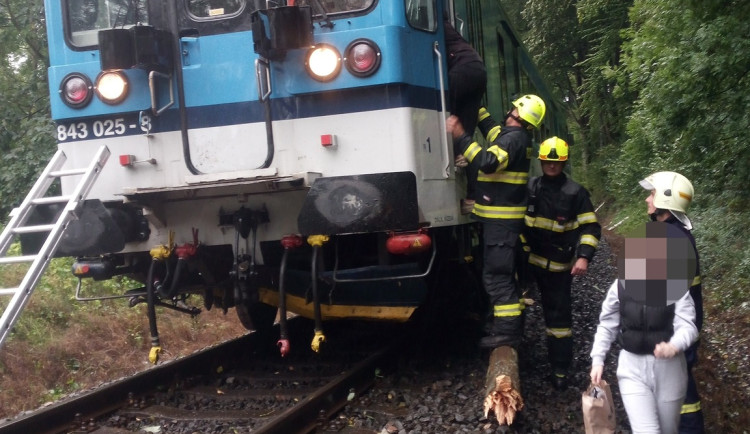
(495, 341)
(559, 381)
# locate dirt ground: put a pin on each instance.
(100, 350)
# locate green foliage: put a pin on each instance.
(605, 98)
(725, 255)
(689, 62)
(657, 85)
(555, 43)
(26, 132)
(53, 305)
(50, 307)
(577, 46)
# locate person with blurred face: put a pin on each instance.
(654, 310)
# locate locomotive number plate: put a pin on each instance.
(100, 128)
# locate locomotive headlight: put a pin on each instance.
(362, 57)
(76, 90)
(112, 86)
(323, 62)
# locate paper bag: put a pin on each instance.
(598, 409)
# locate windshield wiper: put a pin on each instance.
(323, 14)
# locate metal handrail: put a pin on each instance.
(386, 278)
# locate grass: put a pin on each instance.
(60, 346)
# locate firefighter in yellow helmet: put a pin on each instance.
(502, 172)
(669, 200)
(529, 111)
(561, 235)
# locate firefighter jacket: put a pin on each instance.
(503, 171)
(696, 287)
(560, 223)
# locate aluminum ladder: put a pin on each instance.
(19, 217)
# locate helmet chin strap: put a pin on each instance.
(659, 212)
(518, 119)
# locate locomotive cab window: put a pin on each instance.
(84, 18)
(337, 6)
(422, 14)
(207, 9)
(503, 73)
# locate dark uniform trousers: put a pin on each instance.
(503, 171)
(691, 419)
(556, 303)
(498, 275)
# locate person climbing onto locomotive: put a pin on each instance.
(561, 236)
(503, 171)
(652, 371)
(467, 81)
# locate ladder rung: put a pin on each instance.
(8, 291)
(55, 231)
(53, 199)
(17, 259)
(67, 172)
(33, 229)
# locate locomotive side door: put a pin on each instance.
(226, 127)
(433, 144)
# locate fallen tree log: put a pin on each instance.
(503, 386)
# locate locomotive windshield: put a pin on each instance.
(337, 6)
(86, 17)
(214, 8)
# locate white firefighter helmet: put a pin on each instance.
(672, 192)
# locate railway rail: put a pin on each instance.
(226, 388)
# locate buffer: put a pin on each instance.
(17, 226)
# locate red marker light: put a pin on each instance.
(81, 270)
(127, 160)
(76, 90)
(328, 140)
(362, 57)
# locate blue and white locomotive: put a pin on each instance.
(271, 154)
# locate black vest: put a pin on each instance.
(643, 326)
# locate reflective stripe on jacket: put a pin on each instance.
(503, 170)
(560, 223)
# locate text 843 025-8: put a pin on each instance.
(98, 128)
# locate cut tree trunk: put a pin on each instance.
(503, 386)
